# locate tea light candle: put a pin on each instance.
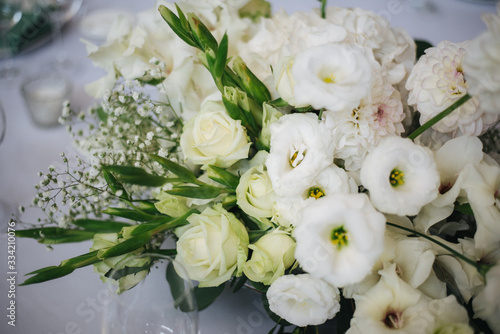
(44, 96)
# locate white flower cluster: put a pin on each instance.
(331, 200)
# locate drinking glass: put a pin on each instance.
(10, 14)
(149, 308)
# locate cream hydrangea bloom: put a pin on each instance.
(401, 176)
(436, 82)
(482, 65)
(303, 300)
(340, 238)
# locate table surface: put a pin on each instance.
(72, 304)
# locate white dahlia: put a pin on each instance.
(436, 82)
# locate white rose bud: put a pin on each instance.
(132, 259)
(212, 247)
(303, 300)
(255, 195)
(213, 137)
(272, 255)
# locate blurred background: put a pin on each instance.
(73, 304)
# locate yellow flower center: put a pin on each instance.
(297, 156)
(316, 192)
(339, 237)
(329, 79)
(397, 178)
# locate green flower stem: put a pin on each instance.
(439, 117)
(482, 268)
(323, 9)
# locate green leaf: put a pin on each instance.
(181, 172)
(149, 226)
(223, 177)
(152, 82)
(421, 47)
(101, 114)
(131, 214)
(100, 226)
(55, 235)
(81, 260)
(278, 103)
(465, 208)
(220, 58)
(136, 175)
(206, 296)
(255, 9)
(250, 83)
(47, 274)
(182, 18)
(201, 33)
(178, 289)
(240, 282)
(202, 192)
(176, 25)
(125, 271)
(126, 246)
(114, 184)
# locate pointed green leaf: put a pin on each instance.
(49, 274)
(81, 260)
(206, 296)
(201, 33)
(202, 192)
(250, 83)
(221, 58)
(176, 25)
(131, 214)
(100, 226)
(178, 290)
(55, 235)
(223, 176)
(278, 103)
(126, 246)
(136, 175)
(182, 18)
(114, 184)
(240, 282)
(181, 172)
(117, 274)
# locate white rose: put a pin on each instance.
(254, 194)
(300, 148)
(401, 176)
(103, 241)
(303, 300)
(272, 255)
(212, 137)
(212, 247)
(340, 238)
(332, 76)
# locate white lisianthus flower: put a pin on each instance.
(487, 303)
(272, 255)
(340, 238)
(482, 65)
(392, 306)
(331, 180)
(413, 258)
(254, 194)
(301, 147)
(482, 185)
(213, 247)
(213, 137)
(401, 176)
(436, 82)
(332, 76)
(303, 300)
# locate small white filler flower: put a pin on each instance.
(401, 176)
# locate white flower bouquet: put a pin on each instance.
(320, 158)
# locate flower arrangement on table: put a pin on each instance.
(312, 155)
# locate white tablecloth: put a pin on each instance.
(71, 304)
